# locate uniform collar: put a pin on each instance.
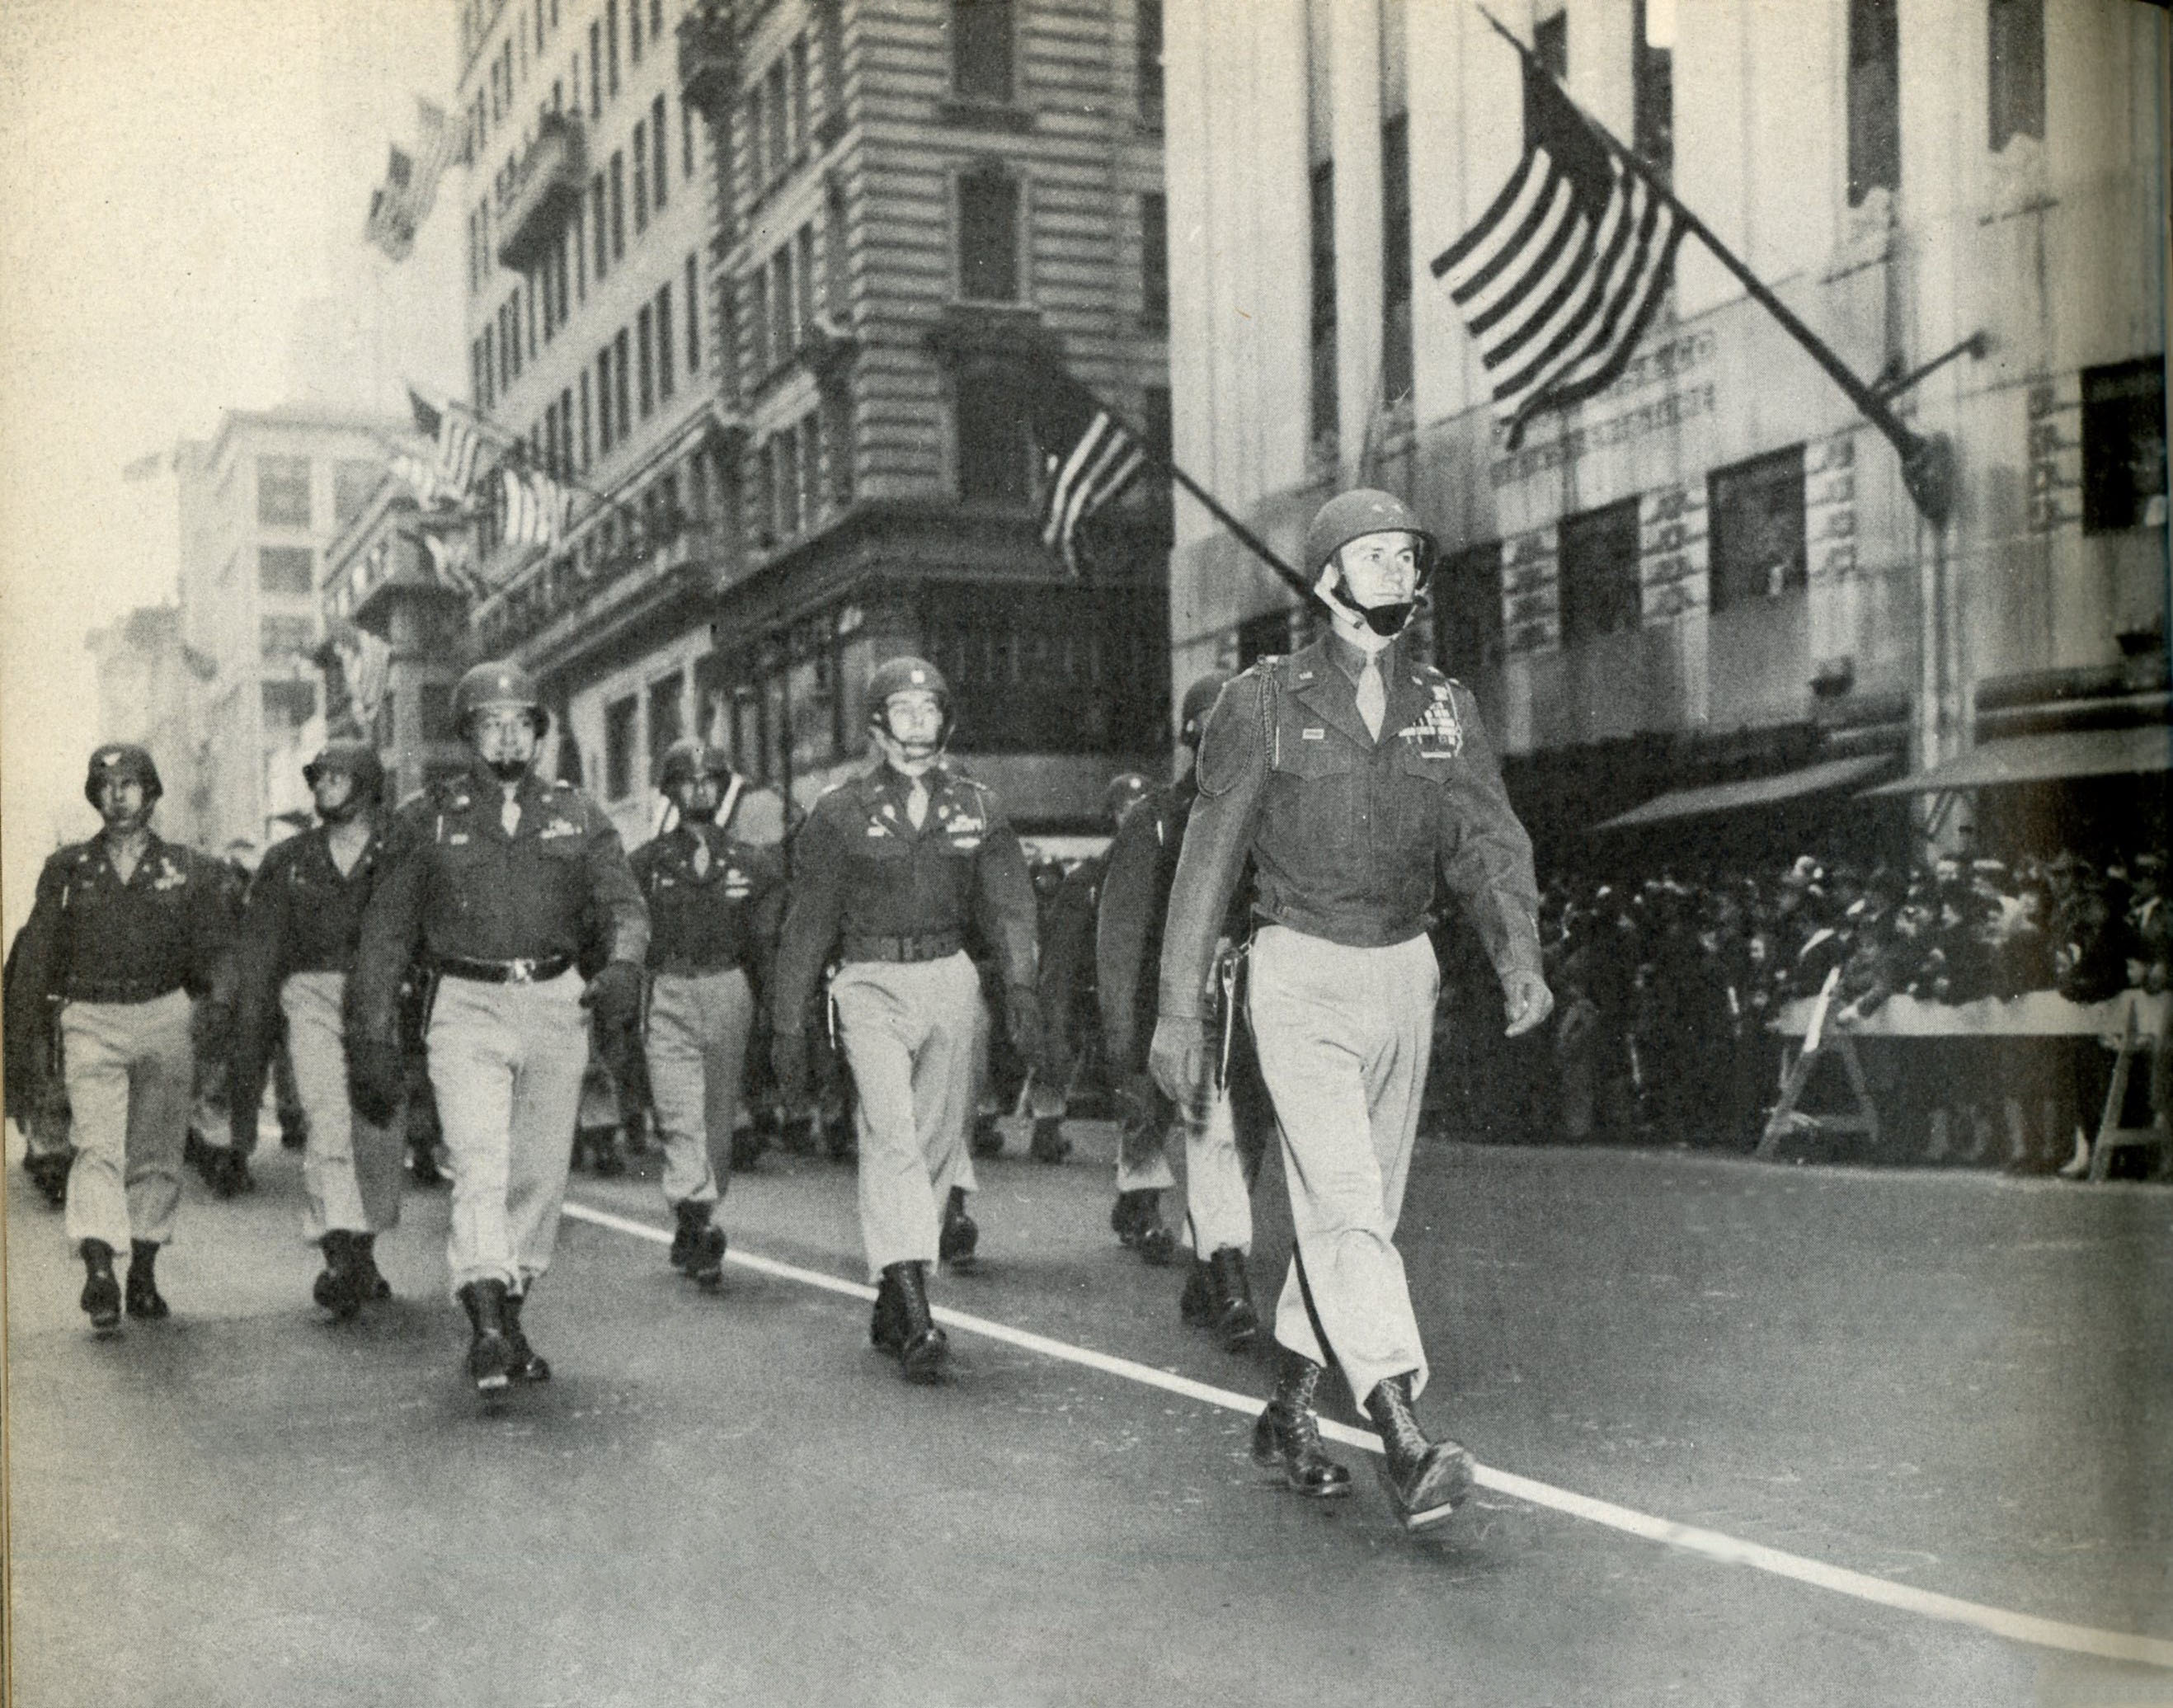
(1350, 659)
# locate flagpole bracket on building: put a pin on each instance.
(1927, 471)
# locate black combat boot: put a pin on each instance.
(883, 1330)
(1130, 1215)
(1157, 1244)
(340, 1287)
(922, 1347)
(691, 1218)
(1048, 1142)
(961, 1236)
(144, 1298)
(988, 1138)
(1425, 1480)
(1236, 1322)
(1287, 1437)
(490, 1353)
(101, 1293)
(528, 1364)
(375, 1286)
(1195, 1304)
(49, 1173)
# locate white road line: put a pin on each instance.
(1727, 1550)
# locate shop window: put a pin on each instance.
(289, 570)
(1600, 573)
(619, 719)
(1754, 512)
(2124, 446)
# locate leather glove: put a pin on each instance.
(615, 996)
(1529, 1002)
(1178, 1059)
(1023, 1026)
(788, 1060)
(375, 1078)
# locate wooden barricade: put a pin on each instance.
(1785, 1119)
(2112, 1135)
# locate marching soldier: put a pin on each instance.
(1217, 1181)
(1352, 771)
(494, 876)
(298, 944)
(892, 872)
(37, 1100)
(126, 928)
(710, 898)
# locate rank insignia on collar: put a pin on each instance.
(168, 878)
(558, 827)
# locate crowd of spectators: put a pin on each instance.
(1666, 986)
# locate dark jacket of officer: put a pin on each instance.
(863, 878)
(92, 938)
(303, 915)
(1347, 833)
(1135, 907)
(1067, 955)
(712, 920)
(453, 883)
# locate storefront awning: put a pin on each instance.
(2044, 759)
(1821, 779)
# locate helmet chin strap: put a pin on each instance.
(1387, 620)
(509, 770)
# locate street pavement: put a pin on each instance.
(1950, 1383)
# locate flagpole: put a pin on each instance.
(1926, 463)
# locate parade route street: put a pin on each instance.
(1951, 1382)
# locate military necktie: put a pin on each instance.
(916, 803)
(510, 814)
(1372, 697)
(701, 856)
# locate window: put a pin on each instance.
(1756, 549)
(1466, 606)
(596, 72)
(611, 44)
(811, 464)
(981, 50)
(830, 39)
(2017, 91)
(995, 448)
(286, 569)
(799, 94)
(1154, 259)
(622, 383)
(1874, 98)
(1150, 72)
(604, 433)
(751, 129)
(1599, 591)
(584, 416)
(656, 19)
(988, 236)
(1652, 83)
(489, 371)
(1323, 300)
(2124, 446)
(619, 719)
(762, 517)
(434, 701)
(1550, 43)
(617, 205)
(686, 141)
(778, 104)
(660, 145)
(598, 217)
(786, 448)
(804, 259)
(1396, 257)
(634, 32)
(664, 378)
(783, 341)
(693, 317)
(836, 270)
(645, 349)
(283, 492)
(667, 720)
(1155, 425)
(758, 321)
(353, 480)
(280, 639)
(837, 436)
(566, 430)
(289, 705)
(640, 176)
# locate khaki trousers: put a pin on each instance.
(351, 1173)
(130, 1067)
(696, 1044)
(907, 1032)
(506, 1062)
(1344, 1038)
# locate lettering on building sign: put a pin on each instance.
(1531, 601)
(1663, 412)
(1672, 559)
(1830, 507)
(1651, 367)
(2056, 454)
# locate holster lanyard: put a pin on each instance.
(1229, 979)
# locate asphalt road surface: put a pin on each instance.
(1918, 1428)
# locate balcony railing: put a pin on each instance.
(546, 189)
(709, 57)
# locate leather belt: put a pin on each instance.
(691, 969)
(521, 972)
(138, 990)
(933, 946)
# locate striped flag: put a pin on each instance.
(1559, 279)
(457, 437)
(533, 509)
(1088, 459)
(399, 205)
(453, 562)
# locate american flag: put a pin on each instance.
(459, 440)
(1088, 459)
(533, 509)
(399, 205)
(1561, 275)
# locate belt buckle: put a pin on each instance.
(520, 972)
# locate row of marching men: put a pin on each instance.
(1285, 882)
